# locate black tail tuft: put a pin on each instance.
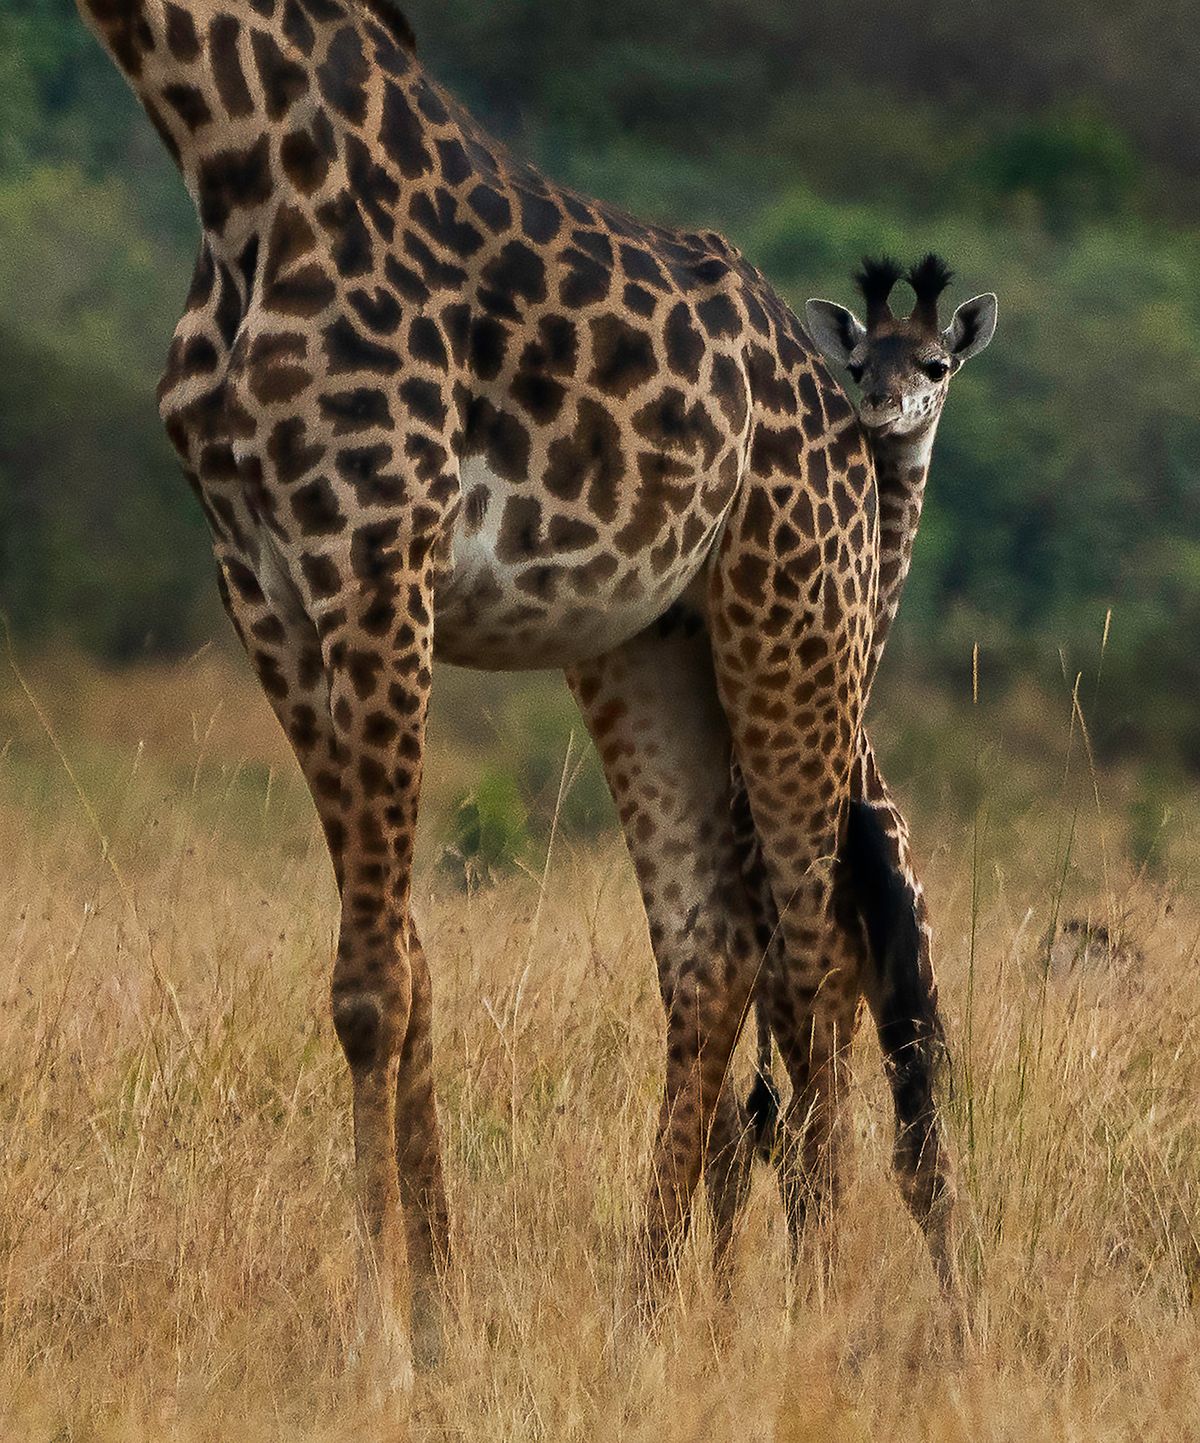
(899, 986)
(763, 1106)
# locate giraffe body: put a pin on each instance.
(432, 403)
(485, 618)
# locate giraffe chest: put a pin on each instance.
(530, 582)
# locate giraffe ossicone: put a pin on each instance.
(433, 403)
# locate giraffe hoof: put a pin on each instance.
(379, 1359)
(379, 1367)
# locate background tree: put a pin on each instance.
(1047, 148)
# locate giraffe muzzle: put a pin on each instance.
(880, 415)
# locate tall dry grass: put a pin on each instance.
(175, 1228)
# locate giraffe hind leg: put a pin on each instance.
(801, 1140)
(790, 613)
(763, 1105)
(653, 712)
(815, 1028)
(727, 1168)
(898, 977)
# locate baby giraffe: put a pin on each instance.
(903, 367)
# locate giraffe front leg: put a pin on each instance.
(351, 503)
(791, 614)
(285, 651)
(379, 698)
(285, 648)
(652, 709)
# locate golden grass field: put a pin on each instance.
(175, 1227)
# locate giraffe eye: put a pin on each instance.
(856, 371)
(935, 370)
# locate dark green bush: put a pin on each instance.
(490, 830)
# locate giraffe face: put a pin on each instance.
(903, 367)
(904, 375)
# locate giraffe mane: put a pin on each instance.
(389, 14)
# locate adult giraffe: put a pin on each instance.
(427, 398)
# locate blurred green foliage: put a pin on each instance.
(1047, 148)
(489, 829)
(539, 783)
(547, 750)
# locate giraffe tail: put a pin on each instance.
(899, 980)
(764, 1101)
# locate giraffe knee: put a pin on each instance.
(358, 1020)
(371, 1024)
(371, 1019)
(372, 988)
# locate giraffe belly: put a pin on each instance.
(532, 583)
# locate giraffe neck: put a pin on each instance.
(229, 84)
(901, 470)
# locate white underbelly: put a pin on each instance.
(515, 597)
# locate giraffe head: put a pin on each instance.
(903, 365)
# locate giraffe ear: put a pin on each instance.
(972, 328)
(835, 330)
